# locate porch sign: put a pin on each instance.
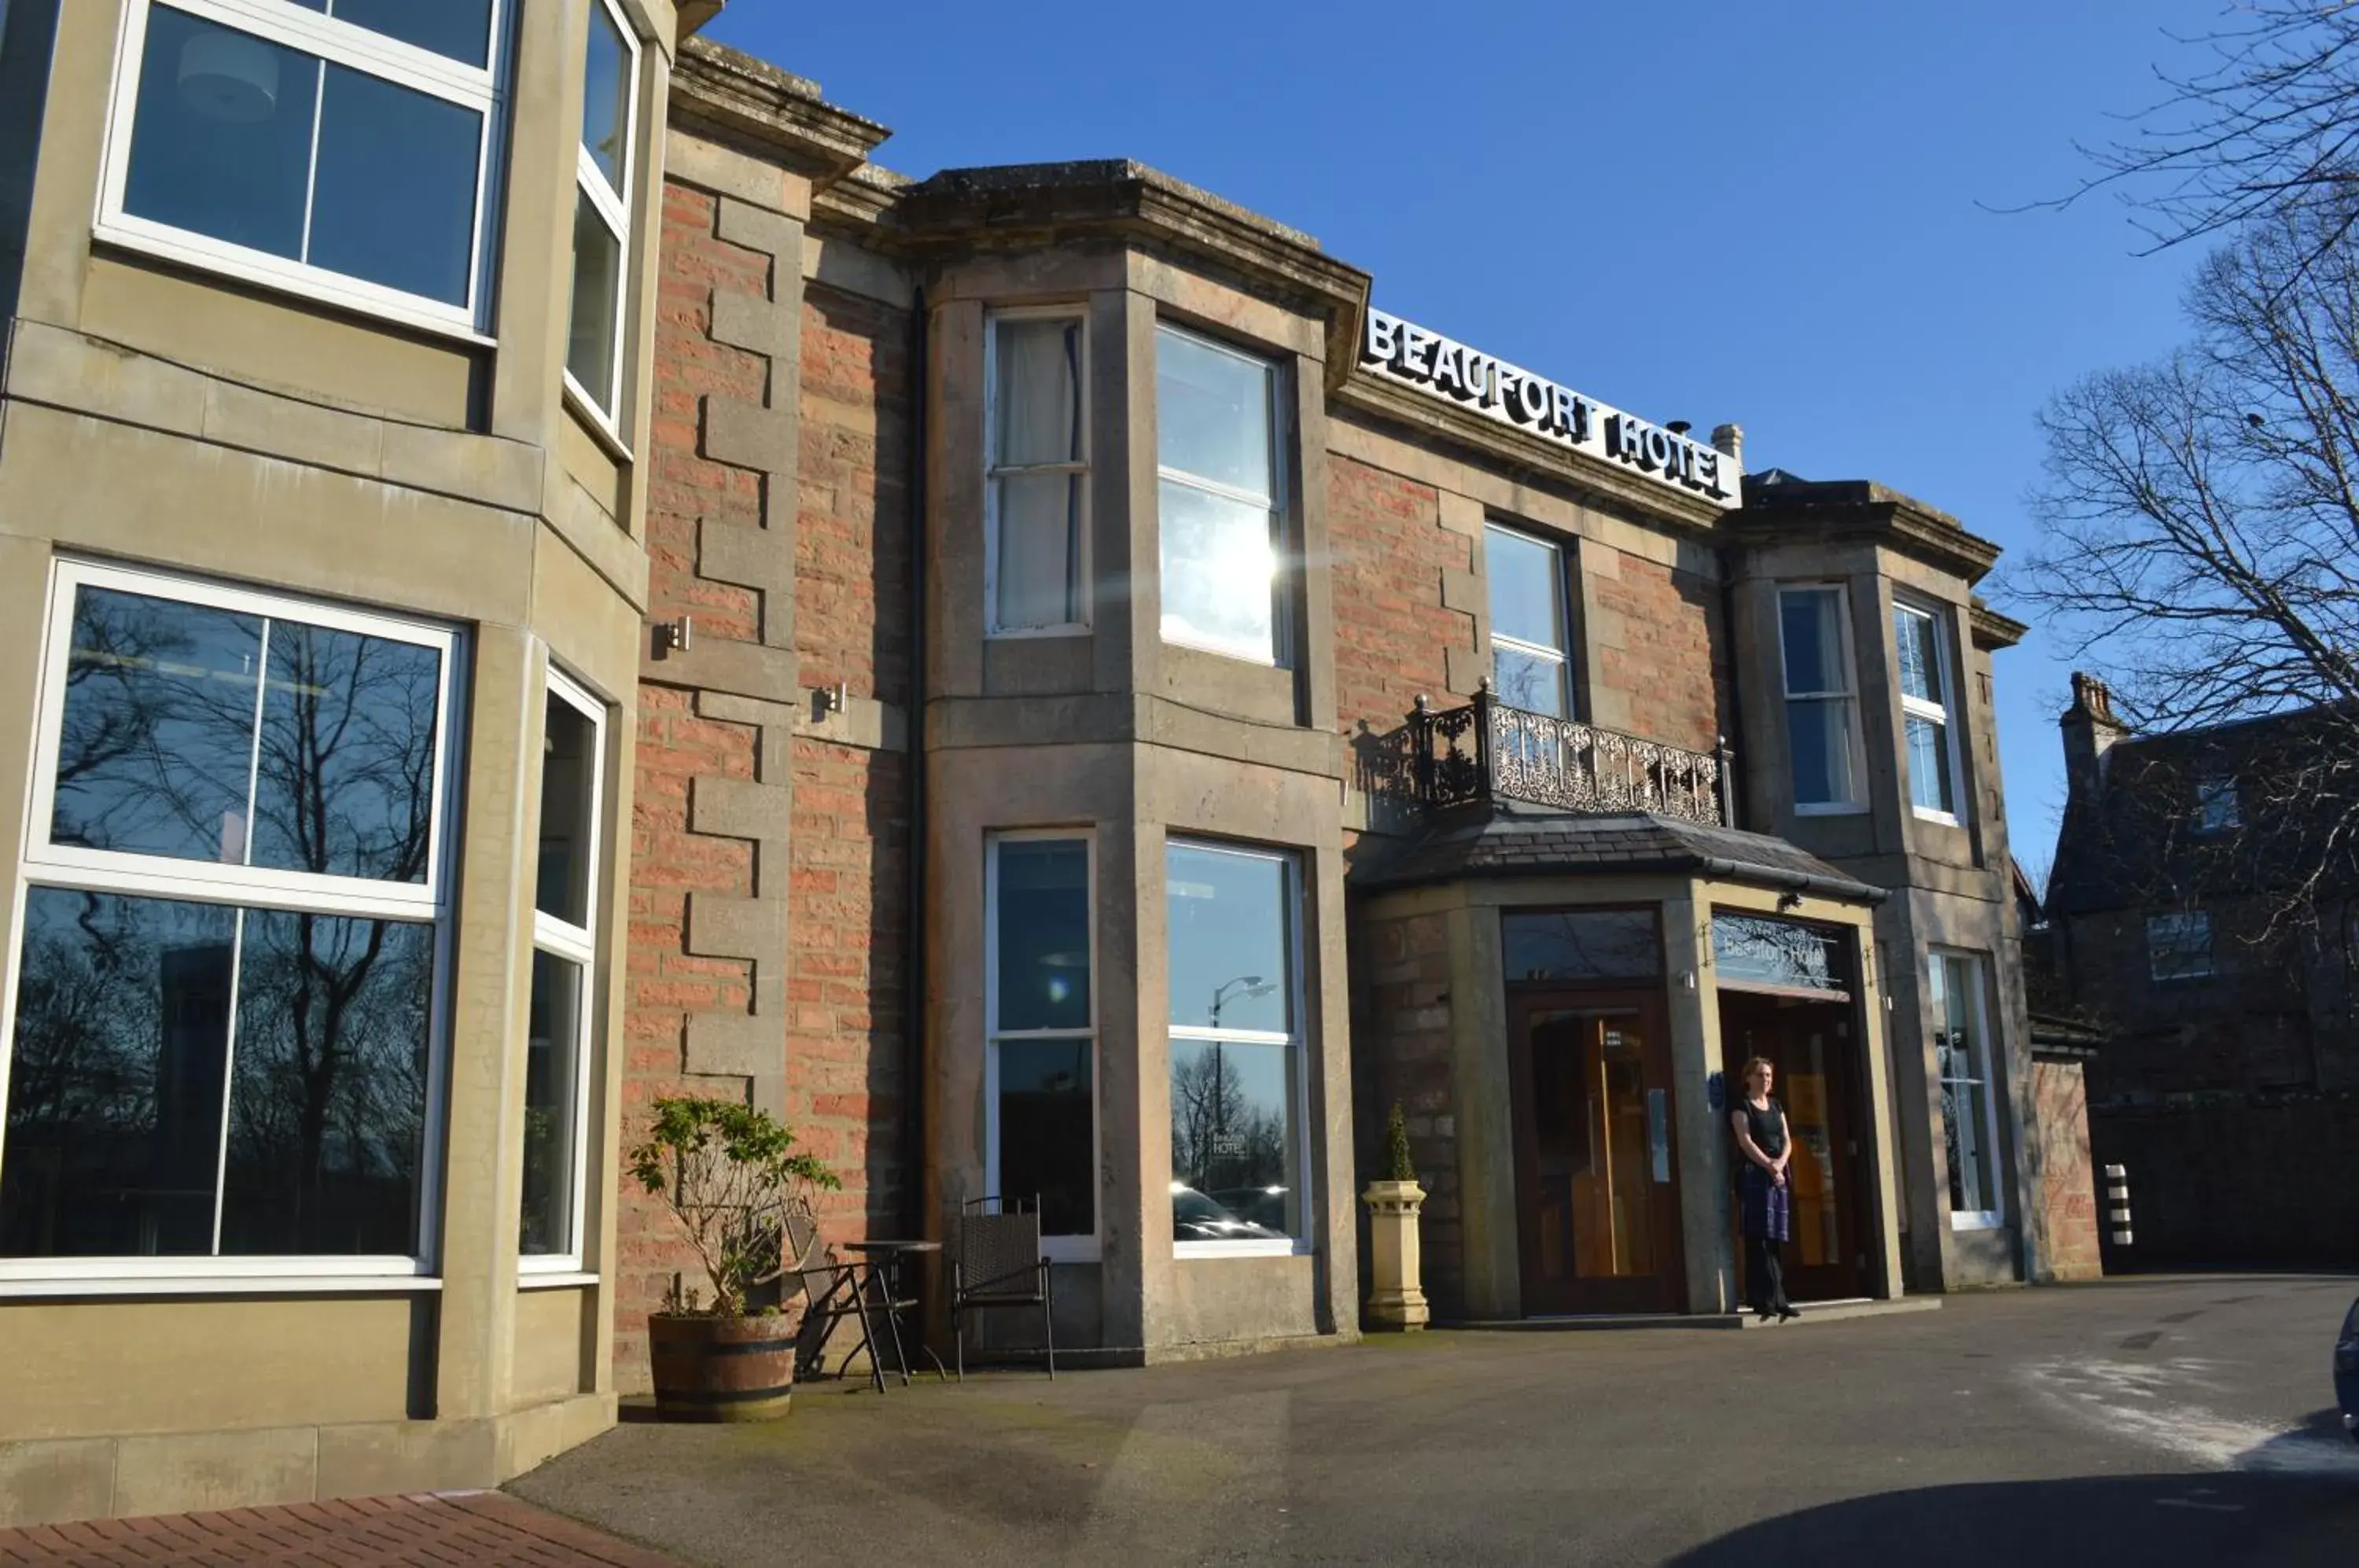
(1404, 352)
(1755, 950)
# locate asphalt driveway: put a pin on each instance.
(2154, 1421)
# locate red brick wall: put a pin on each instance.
(1390, 549)
(1402, 1036)
(1670, 665)
(846, 911)
(2067, 1193)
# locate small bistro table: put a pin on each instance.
(885, 1257)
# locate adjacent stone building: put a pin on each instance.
(2201, 921)
(1025, 673)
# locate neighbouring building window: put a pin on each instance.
(601, 211)
(1530, 667)
(1962, 1055)
(1041, 1076)
(225, 1053)
(2217, 809)
(1822, 710)
(1924, 688)
(1236, 1062)
(1037, 501)
(340, 148)
(561, 1034)
(2179, 947)
(1218, 468)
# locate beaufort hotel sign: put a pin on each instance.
(1431, 363)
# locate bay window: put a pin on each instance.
(1822, 709)
(559, 1038)
(1237, 1145)
(1926, 712)
(602, 212)
(1035, 501)
(222, 1057)
(1218, 472)
(341, 149)
(1041, 1094)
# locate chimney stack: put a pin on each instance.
(1729, 441)
(2090, 731)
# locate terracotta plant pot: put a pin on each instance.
(721, 1370)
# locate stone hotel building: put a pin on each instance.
(535, 574)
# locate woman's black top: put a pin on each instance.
(1768, 1126)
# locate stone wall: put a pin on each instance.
(2064, 1216)
(1401, 1052)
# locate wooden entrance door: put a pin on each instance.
(1815, 1048)
(1597, 1161)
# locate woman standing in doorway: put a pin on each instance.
(1765, 1205)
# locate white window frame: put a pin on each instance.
(1299, 1067)
(1281, 595)
(375, 54)
(2179, 921)
(1559, 587)
(1978, 971)
(1941, 713)
(1056, 1248)
(2217, 809)
(45, 865)
(578, 945)
(614, 208)
(994, 472)
(1847, 665)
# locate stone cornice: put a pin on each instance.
(1805, 512)
(725, 93)
(1992, 631)
(1446, 420)
(1035, 206)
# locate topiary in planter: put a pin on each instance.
(728, 1173)
(1397, 1165)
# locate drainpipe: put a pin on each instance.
(1729, 442)
(913, 960)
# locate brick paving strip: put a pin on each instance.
(438, 1530)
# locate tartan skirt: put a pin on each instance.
(1765, 1210)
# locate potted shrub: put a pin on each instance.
(729, 1174)
(1394, 1198)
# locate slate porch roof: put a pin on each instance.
(1508, 840)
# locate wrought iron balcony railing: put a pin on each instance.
(1487, 750)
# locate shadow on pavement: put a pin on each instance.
(2212, 1519)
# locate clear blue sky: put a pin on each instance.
(1776, 215)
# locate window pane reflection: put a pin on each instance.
(1234, 1173)
(221, 140)
(1212, 413)
(597, 282)
(457, 28)
(1526, 582)
(568, 769)
(1217, 568)
(1044, 934)
(551, 1088)
(394, 196)
(605, 96)
(157, 736)
(344, 784)
(116, 1084)
(327, 1086)
(1231, 939)
(1582, 944)
(1045, 1116)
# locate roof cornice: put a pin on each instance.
(1809, 512)
(1992, 631)
(728, 95)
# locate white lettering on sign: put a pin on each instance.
(1404, 352)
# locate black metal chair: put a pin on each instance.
(831, 1292)
(999, 1263)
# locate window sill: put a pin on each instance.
(1926, 814)
(289, 279)
(1260, 660)
(1186, 1249)
(552, 1279)
(1070, 1248)
(1836, 809)
(162, 1285)
(1987, 1221)
(1038, 633)
(602, 429)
